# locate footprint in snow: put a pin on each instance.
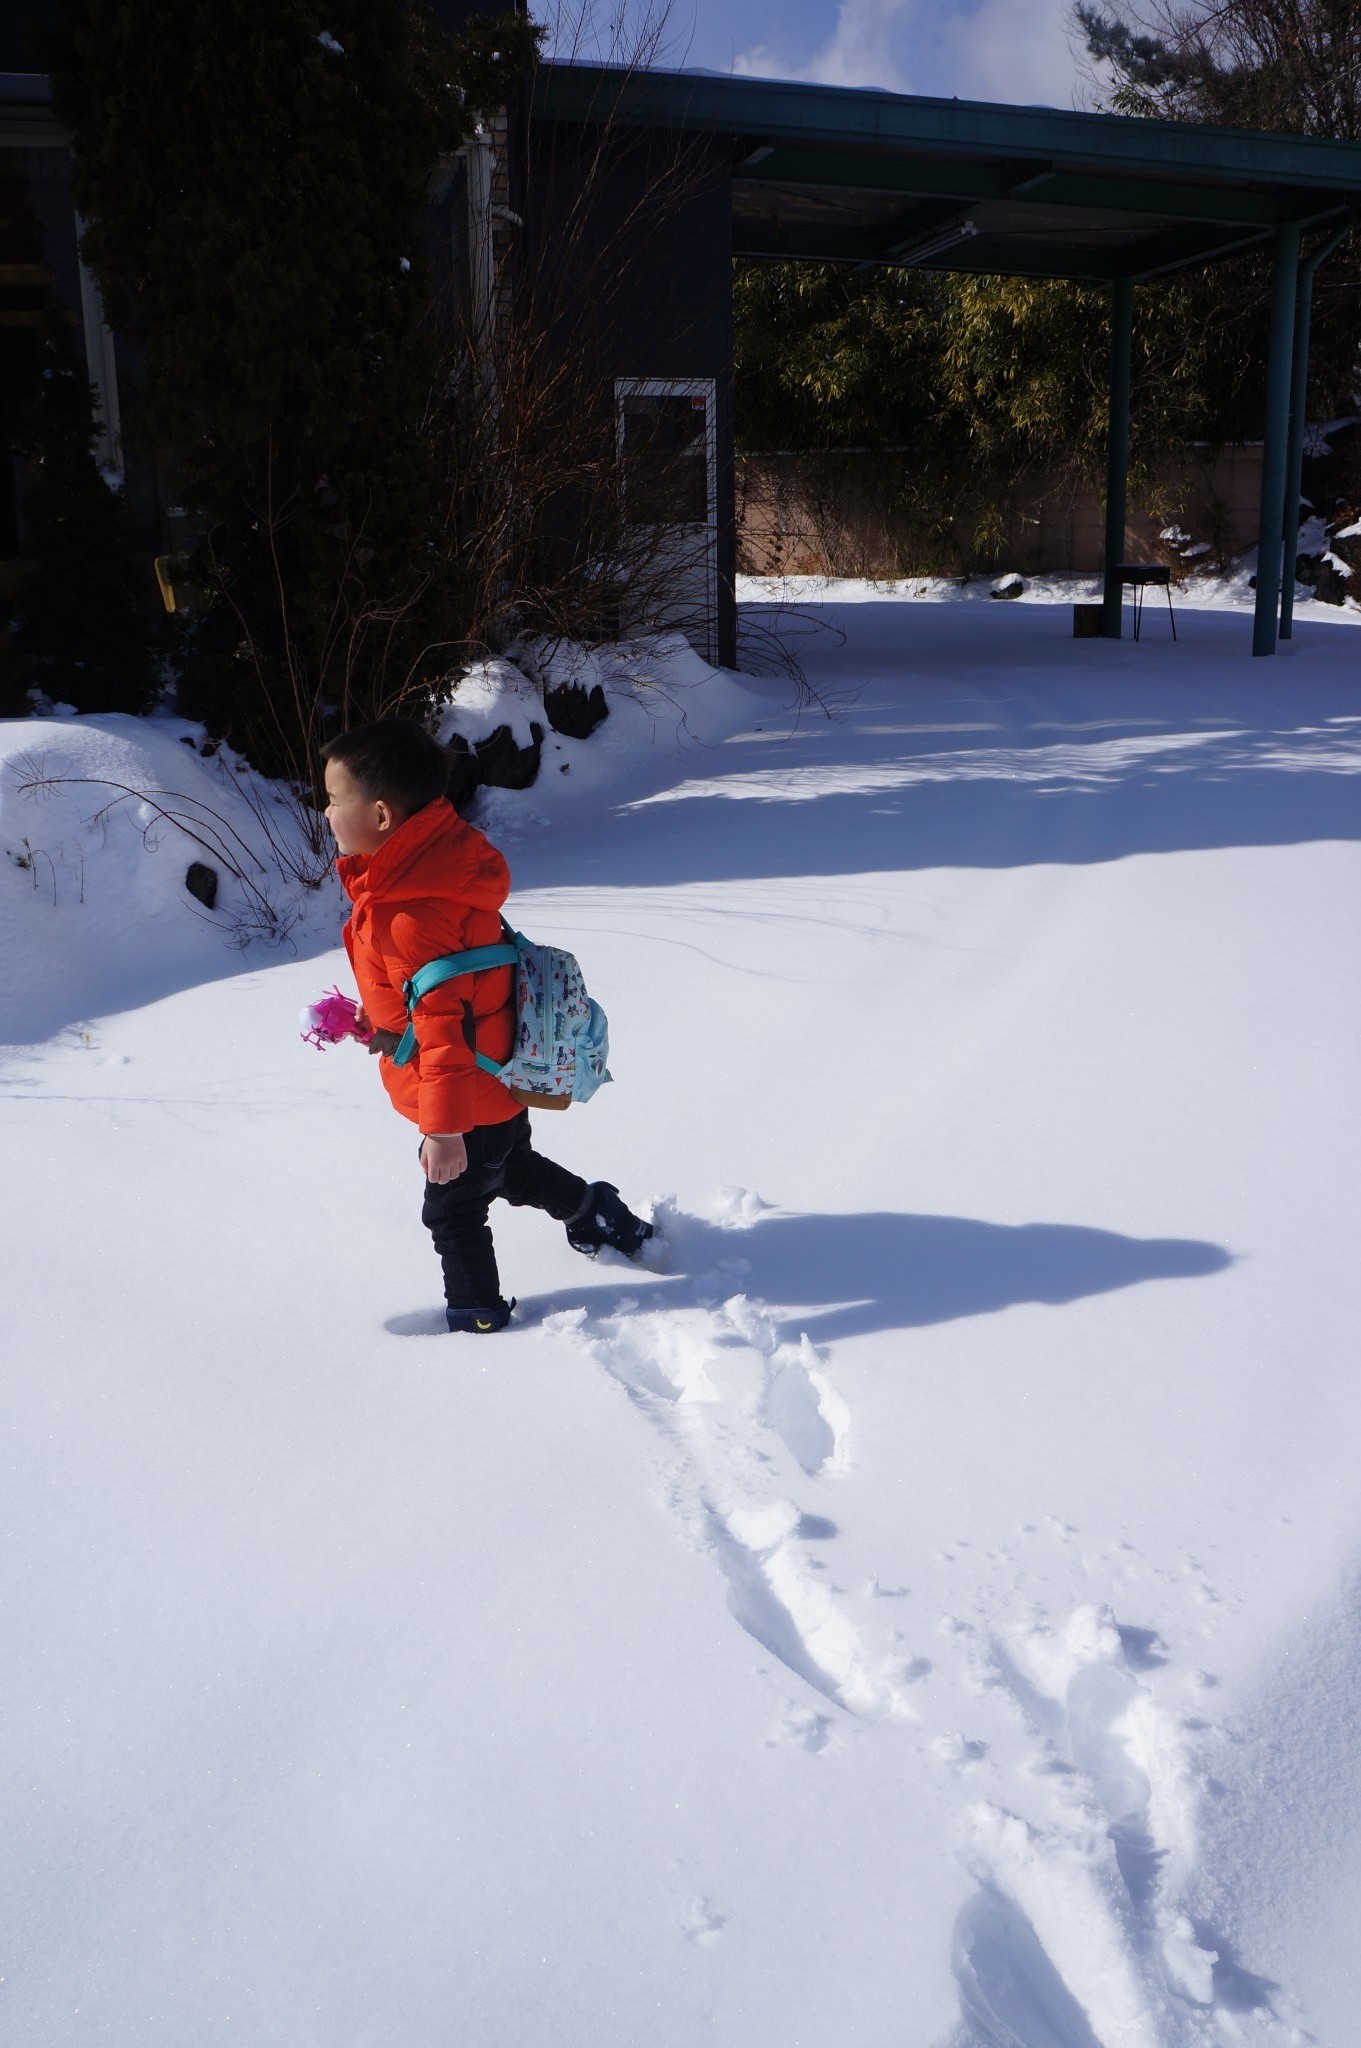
(715, 1378)
(801, 1728)
(1010, 1993)
(801, 1405)
(778, 1598)
(702, 1923)
(1084, 1909)
(811, 1420)
(955, 1750)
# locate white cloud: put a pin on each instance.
(867, 47)
(872, 44)
(1015, 51)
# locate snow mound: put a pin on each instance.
(662, 700)
(664, 691)
(662, 673)
(492, 694)
(101, 820)
(563, 665)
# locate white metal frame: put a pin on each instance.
(103, 370)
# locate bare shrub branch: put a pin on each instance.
(561, 524)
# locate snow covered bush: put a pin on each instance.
(101, 820)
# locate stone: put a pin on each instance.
(575, 711)
(201, 882)
(496, 762)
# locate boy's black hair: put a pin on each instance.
(393, 761)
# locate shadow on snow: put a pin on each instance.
(846, 1276)
(991, 739)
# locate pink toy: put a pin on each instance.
(331, 1018)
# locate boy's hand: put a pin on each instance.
(378, 1041)
(444, 1158)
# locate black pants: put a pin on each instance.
(501, 1161)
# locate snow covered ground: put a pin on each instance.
(924, 1616)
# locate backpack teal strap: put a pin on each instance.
(449, 967)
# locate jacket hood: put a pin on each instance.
(432, 854)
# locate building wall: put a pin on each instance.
(658, 214)
(40, 267)
(38, 263)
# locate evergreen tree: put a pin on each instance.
(1293, 66)
(1290, 66)
(82, 634)
(959, 386)
(253, 177)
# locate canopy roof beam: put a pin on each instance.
(915, 178)
(973, 256)
(779, 244)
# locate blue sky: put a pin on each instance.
(1015, 50)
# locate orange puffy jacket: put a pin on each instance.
(435, 887)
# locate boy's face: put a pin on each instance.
(358, 823)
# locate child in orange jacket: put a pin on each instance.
(422, 883)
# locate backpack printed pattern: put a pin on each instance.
(562, 1039)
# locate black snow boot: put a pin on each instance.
(479, 1322)
(603, 1219)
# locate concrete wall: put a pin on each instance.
(829, 515)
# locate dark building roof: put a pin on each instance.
(853, 176)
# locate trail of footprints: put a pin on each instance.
(1081, 1831)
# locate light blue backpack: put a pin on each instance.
(562, 1038)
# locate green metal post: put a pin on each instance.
(1299, 393)
(1117, 453)
(1270, 525)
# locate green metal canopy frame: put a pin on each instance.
(831, 175)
